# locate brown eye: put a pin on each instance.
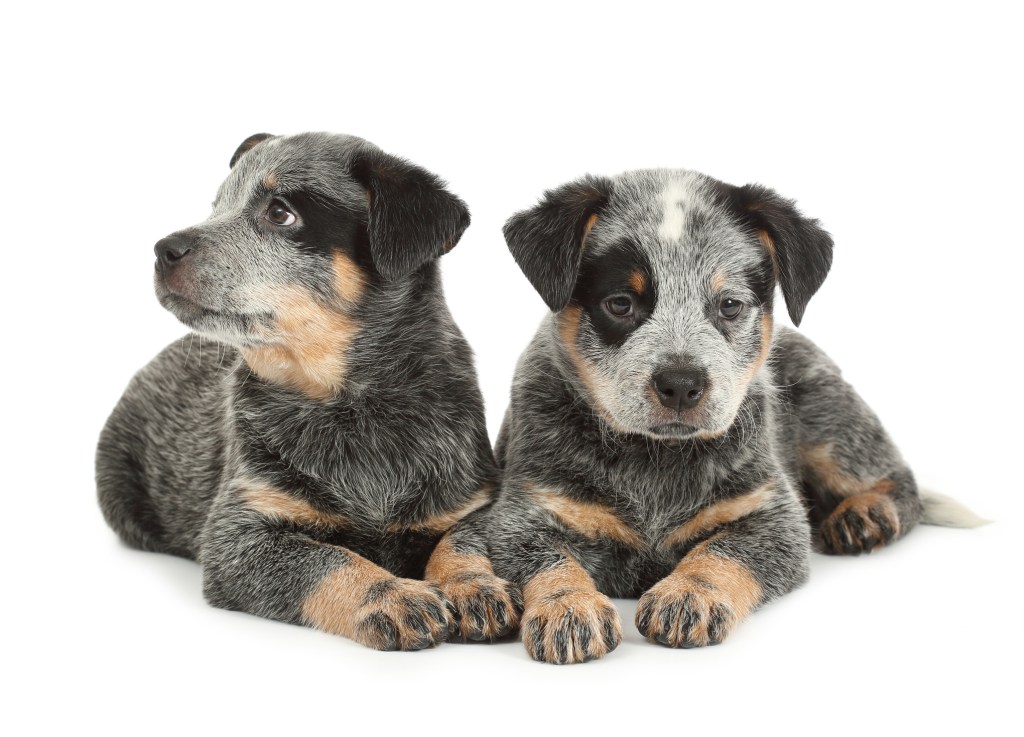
(730, 308)
(279, 214)
(619, 306)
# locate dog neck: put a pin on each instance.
(338, 352)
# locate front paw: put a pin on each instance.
(571, 626)
(684, 612)
(483, 606)
(860, 524)
(402, 614)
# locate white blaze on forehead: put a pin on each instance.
(672, 214)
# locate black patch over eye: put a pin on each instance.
(279, 213)
(619, 305)
(730, 309)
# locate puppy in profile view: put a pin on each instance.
(319, 464)
(665, 440)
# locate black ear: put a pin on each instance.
(800, 249)
(248, 144)
(547, 240)
(413, 218)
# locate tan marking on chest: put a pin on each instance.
(587, 518)
(281, 505)
(446, 520)
(820, 460)
(718, 514)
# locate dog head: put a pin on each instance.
(662, 284)
(302, 230)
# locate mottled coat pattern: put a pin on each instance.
(318, 456)
(665, 440)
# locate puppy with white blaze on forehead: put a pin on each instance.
(319, 461)
(664, 439)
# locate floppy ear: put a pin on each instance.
(248, 144)
(413, 218)
(547, 240)
(800, 249)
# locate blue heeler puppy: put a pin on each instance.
(319, 460)
(664, 439)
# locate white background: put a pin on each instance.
(897, 126)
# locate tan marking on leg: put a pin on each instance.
(566, 576)
(445, 563)
(349, 280)
(715, 592)
(485, 603)
(306, 345)
(862, 504)
(334, 605)
(588, 518)
(732, 580)
(821, 460)
(562, 603)
(720, 513)
(270, 181)
(568, 321)
(446, 520)
(718, 282)
(281, 505)
(638, 282)
(366, 603)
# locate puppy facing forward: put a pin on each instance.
(318, 462)
(664, 439)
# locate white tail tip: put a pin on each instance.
(946, 512)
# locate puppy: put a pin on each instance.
(317, 463)
(664, 439)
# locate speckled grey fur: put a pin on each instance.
(397, 439)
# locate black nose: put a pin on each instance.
(680, 389)
(172, 249)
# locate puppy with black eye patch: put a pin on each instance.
(665, 440)
(324, 462)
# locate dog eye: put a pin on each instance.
(279, 214)
(730, 308)
(619, 306)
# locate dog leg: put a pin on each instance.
(723, 578)
(483, 606)
(861, 493)
(565, 618)
(268, 566)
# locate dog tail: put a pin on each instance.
(946, 512)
